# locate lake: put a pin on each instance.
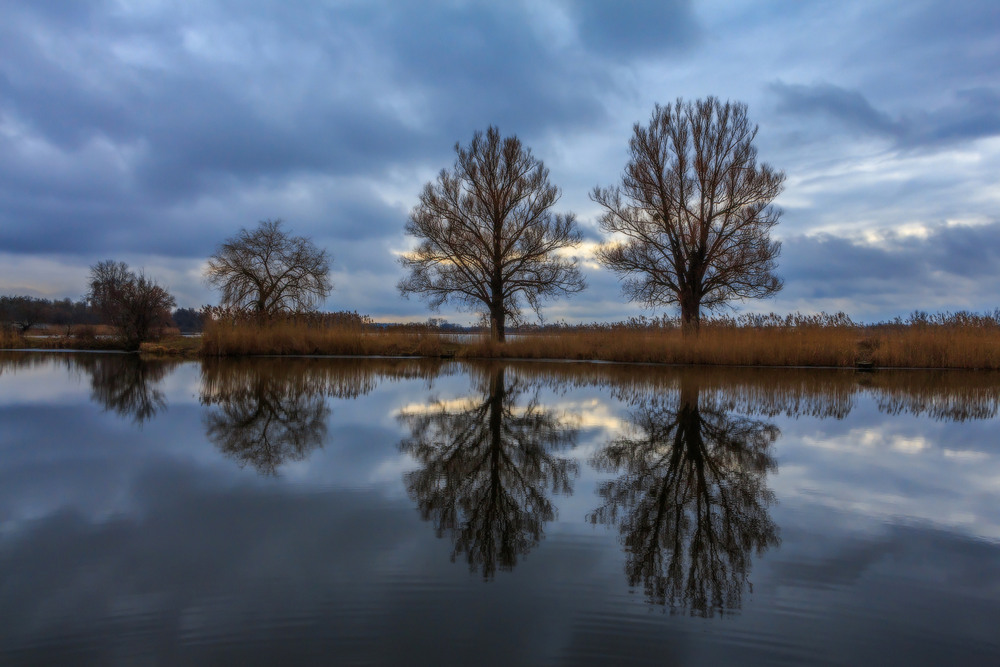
(400, 511)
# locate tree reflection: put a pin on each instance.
(691, 501)
(487, 467)
(264, 414)
(127, 384)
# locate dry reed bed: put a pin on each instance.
(723, 347)
(908, 346)
(222, 339)
(937, 347)
(10, 339)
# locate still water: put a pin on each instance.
(388, 511)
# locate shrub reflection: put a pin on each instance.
(126, 384)
(267, 412)
(691, 501)
(487, 467)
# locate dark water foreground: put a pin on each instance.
(288, 511)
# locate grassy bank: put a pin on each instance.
(950, 341)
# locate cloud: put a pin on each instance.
(642, 27)
(940, 267)
(352, 88)
(974, 114)
(140, 129)
(847, 106)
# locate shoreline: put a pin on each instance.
(820, 349)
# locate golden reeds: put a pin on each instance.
(959, 340)
(10, 338)
(945, 341)
(722, 346)
(291, 337)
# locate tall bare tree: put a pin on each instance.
(267, 272)
(695, 209)
(133, 303)
(488, 238)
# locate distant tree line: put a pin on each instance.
(24, 313)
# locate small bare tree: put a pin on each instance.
(695, 209)
(267, 272)
(135, 305)
(488, 239)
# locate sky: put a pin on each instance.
(150, 132)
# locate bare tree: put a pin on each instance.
(134, 304)
(267, 272)
(695, 209)
(488, 239)
(107, 282)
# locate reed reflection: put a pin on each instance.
(691, 500)
(488, 465)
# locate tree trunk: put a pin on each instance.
(497, 327)
(496, 409)
(690, 314)
(497, 323)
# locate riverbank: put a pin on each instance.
(950, 344)
(969, 346)
(184, 347)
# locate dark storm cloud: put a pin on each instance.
(848, 106)
(638, 27)
(196, 115)
(145, 112)
(946, 39)
(974, 113)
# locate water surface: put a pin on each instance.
(389, 511)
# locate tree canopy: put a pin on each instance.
(694, 208)
(133, 303)
(267, 272)
(488, 238)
